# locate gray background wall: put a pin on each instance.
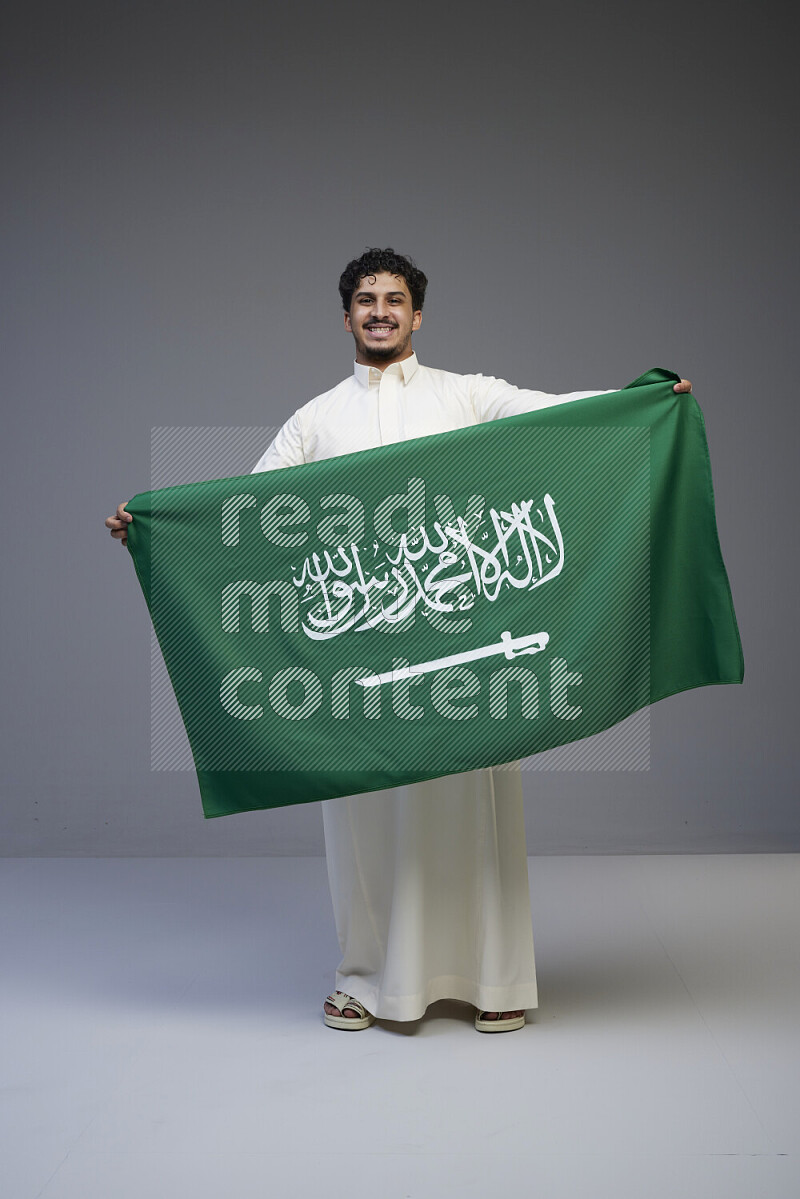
(592, 190)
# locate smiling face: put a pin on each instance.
(382, 319)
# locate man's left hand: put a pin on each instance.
(684, 385)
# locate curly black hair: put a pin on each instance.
(374, 261)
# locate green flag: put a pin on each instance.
(441, 604)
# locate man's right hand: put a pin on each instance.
(118, 524)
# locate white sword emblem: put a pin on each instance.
(510, 647)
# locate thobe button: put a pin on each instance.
(390, 406)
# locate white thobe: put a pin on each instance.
(429, 881)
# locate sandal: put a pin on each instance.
(342, 1001)
(498, 1025)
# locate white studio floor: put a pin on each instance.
(162, 1039)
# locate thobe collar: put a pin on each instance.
(370, 375)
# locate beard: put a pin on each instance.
(380, 352)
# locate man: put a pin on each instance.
(429, 881)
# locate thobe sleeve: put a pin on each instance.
(286, 449)
(494, 398)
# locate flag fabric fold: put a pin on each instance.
(441, 604)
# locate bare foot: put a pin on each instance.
(501, 1015)
(349, 1012)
